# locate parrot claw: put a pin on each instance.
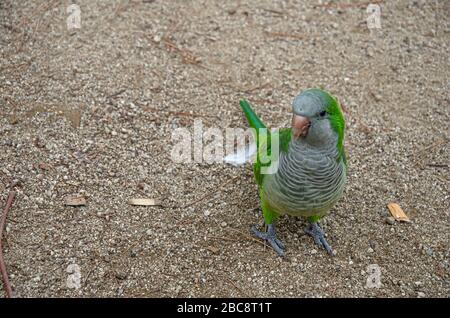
(271, 238)
(318, 235)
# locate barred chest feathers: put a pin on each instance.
(309, 180)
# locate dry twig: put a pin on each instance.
(284, 35)
(348, 5)
(6, 283)
(432, 146)
(210, 193)
(248, 236)
(230, 281)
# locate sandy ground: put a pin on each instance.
(92, 111)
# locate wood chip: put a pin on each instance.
(144, 202)
(75, 200)
(397, 212)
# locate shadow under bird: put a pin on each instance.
(311, 165)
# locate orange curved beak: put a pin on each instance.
(300, 126)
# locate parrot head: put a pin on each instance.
(317, 118)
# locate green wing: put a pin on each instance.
(284, 137)
(264, 151)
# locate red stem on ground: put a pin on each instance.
(6, 283)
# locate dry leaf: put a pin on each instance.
(144, 202)
(75, 200)
(44, 166)
(397, 212)
(213, 249)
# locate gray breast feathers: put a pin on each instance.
(308, 181)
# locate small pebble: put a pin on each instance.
(121, 275)
(178, 289)
(157, 38)
(223, 224)
(390, 220)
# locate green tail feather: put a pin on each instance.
(252, 118)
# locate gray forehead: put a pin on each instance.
(307, 102)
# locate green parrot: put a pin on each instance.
(311, 165)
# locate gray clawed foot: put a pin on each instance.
(271, 238)
(318, 235)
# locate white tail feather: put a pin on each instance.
(242, 156)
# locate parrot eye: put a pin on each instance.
(323, 113)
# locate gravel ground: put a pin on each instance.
(91, 112)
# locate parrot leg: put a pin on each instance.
(271, 238)
(269, 218)
(318, 235)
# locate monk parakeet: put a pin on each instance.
(311, 168)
